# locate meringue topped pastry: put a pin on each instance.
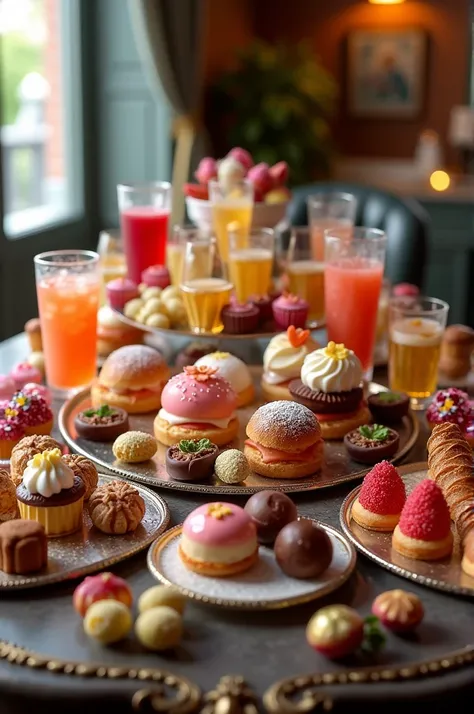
(283, 360)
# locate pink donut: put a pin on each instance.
(23, 373)
(38, 390)
(199, 393)
(7, 386)
(219, 524)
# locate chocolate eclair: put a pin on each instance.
(326, 402)
(370, 444)
(191, 460)
(102, 424)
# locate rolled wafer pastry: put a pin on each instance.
(450, 466)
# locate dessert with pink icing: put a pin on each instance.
(283, 360)
(7, 386)
(32, 412)
(156, 276)
(11, 432)
(235, 371)
(197, 404)
(38, 390)
(218, 540)
(454, 406)
(120, 291)
(289, 310)
(23, 373)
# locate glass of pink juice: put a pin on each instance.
(329, 210)
(352, 285)
(144, 220)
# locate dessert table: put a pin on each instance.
(231, 661)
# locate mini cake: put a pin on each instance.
(120, 291)
(11, 433)
(218, 539)
(116, 508)
(197, 404)
(28, 447)
(284, 441)
(33, 333)
(331, 386)
(134, 447)
(424, 529)
(290, 310)
(270, 511)
(156, 276)
(456, 351)
(191, 460)
(240, 319)
(467, 562)
(303, 550)
(112, 333)
(235, 371)
(453, 406)
(7, 387)
(370, 444)
(50, 494)
(8, 504)
(102, 424)
(85, 470)
(388, 407)
(32, 412)
(192, 353)
(23, 547)
(381, 499)
(282, 361)
(23, 373)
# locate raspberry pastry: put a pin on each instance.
(381, 499)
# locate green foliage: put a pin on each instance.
(18, 56)
(276, 105)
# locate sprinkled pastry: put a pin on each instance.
(232, 466)
(134, 447)
(381, 499)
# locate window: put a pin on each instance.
(40, 103)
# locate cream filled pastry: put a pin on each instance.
(197, 404)
(235, 371)
(331, 386)
(283, 360)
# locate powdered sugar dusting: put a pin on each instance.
(292, 420)
(135, 358)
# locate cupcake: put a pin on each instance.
(289, 310)
(197, 404)
(112, 333)
(11, 433)
(33, 333)
(452, 406)
(51, 495)
(121, 291)
(32, 389)
(331, 386)
(33, 413)
(24, 451)
(456, 351)
(240, 319)
(25, 372)
(156, 276)
(234, 371)
(263, 303)
(218, 540)
(282, 361)
(7, 387)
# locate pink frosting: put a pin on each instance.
(7, 386)
(185, 396)
(156, 276)
(32, 411)
(11, 430)
(38, 390)
(290, 301)
(232, 529)
(120, 291)
(23, 373)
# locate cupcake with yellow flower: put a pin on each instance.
(32, 411)
(330, 385)
(51, 495)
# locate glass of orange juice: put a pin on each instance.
(231, 203)
(250, 264)
(68, 286)
(112, 259)
(352, 283)
(305, 274)
(329, 210)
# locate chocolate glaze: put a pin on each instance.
(240, 320)
(106, 431)
(372, 454)
(326, 403)
(388, 412)
(270, 511)
(196, 468)
(303, 549)
(63, 498)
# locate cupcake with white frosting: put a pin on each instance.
(235, 371)
(51, 495)
(330, 384)
(283, 360)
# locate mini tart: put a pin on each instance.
(384, 523)
(60, 514)
(388, 412)
(97, 427)
(371, 451)
(421, 549)
(197, 466)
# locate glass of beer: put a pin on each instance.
(251, 262)
(327, 210)
(112, 259)
(305, 275)
(176, 247)
(231, 203)
(204, 290)
(416, 330)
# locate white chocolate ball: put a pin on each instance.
(107, 621)
(172, 291)
(158, 320)
(159, 628)
(162, 595)
(148, 293)
(133, 307)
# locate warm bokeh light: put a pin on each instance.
(386, 2)
(440, 180)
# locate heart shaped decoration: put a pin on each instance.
(297, 336)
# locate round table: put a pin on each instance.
(230, 661)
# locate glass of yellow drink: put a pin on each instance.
(112, 259)
(305, 275)
(416, 331)
(231, 203)
(176, 247)
(250, 265)
(329, 210)
(204, 290)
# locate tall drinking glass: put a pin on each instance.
(176, 248)
(305, 274)
(416, 331)
(204, 290)
(230, 204)
(112, 258)
(353, 280)
(328, 210)
(144, 218)
(250, 265)
(68, 287)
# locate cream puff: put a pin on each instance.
(331, 386)
(284, 441)
(197, 404)
(112, 333)
(234, 371)
(380, 500)
(218, 540)
(283, 360)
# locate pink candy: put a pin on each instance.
(23, 373)
(39, 390)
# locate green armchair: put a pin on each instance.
(404, 221)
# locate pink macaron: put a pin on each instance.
(120, 291)
(24, 372)
(7, 386)
(199, 393)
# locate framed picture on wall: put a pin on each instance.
(386, 73)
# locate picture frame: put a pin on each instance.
(386, 73)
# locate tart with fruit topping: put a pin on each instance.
(371, 443)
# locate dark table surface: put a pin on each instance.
(68, 671)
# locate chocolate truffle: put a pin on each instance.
(191, 460)
(370, 444)
(388, 407)
(270, 511)
(303, 549)
(102, 424)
